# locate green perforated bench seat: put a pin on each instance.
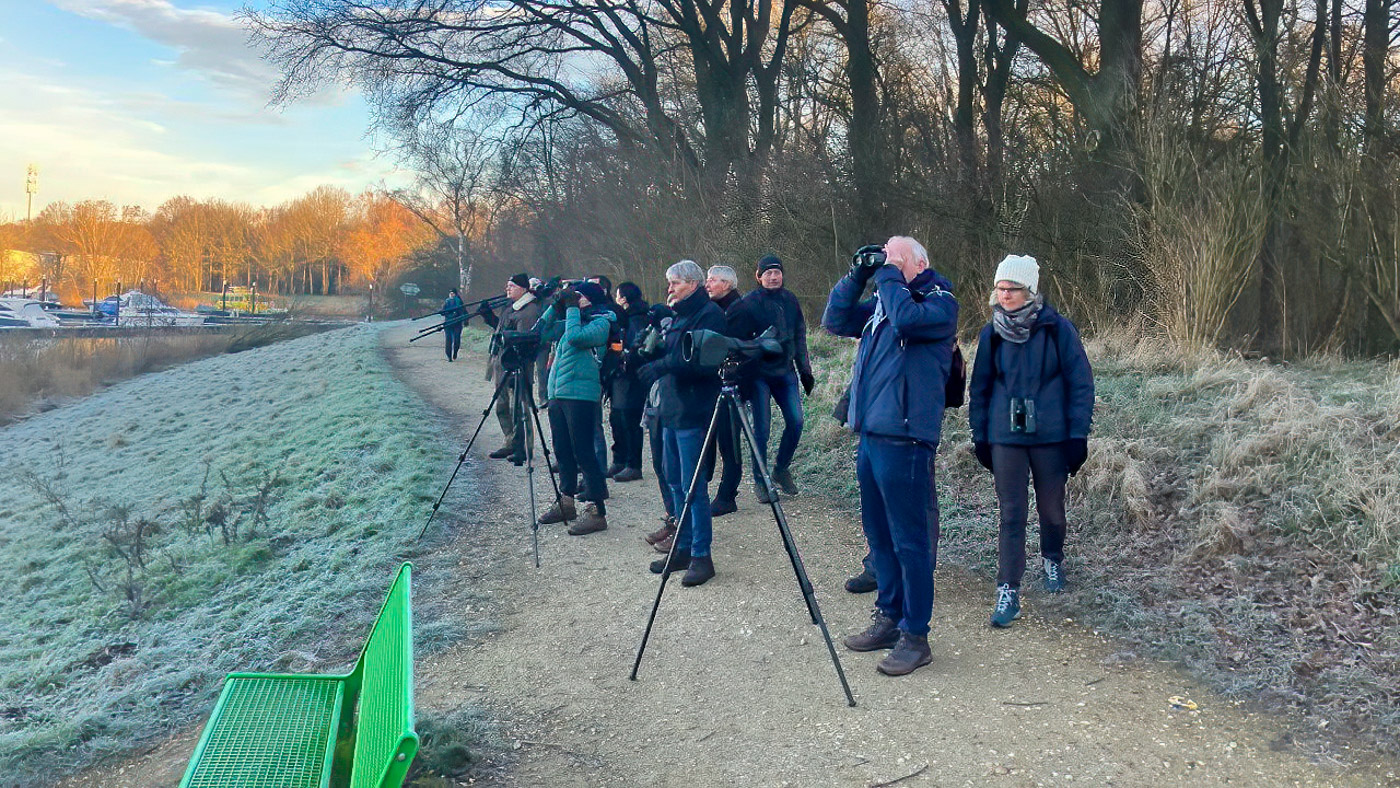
(289, 730)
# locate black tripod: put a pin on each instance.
(729, 398)
(521, 400)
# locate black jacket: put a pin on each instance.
(627, 392)
(728, 300)
(778, 309)
(688, 394)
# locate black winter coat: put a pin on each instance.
(688, 394)
(1050, 368)
(780, 310)
(627, 392)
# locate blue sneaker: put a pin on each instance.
(1054, 576)
(1008, 606)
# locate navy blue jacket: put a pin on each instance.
(688, 393)
(904, 357)
(1050, 368)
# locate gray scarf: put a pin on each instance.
(1016, 326)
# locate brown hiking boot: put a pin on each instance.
(667, 529)
(590, 522)
(563, 509)
(664, 546)
(882, 633)
(908, 655)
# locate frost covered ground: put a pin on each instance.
(240, 512)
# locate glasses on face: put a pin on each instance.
(1009, 290)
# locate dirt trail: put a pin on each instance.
(737, 687)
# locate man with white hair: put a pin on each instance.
(907, 333)
(722, 284)
(687, 401)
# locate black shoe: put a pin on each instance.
(614, 470)
(862, 583)
(784, 481)
(702, 568)
(908, 655)
(679, 560)
(502, 453)
(882, 633)
(722, 506)
(517, 459)
(628, 475)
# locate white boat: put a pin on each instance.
(136, 309)
(25, 313)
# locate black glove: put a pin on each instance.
(861, 267)
(808, 382)
(1076, 451)
(659, 312)
(650, 373)
(566, 299)
(984, 454)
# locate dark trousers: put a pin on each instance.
(572, 423)
(784, 390)
(894, 494)
(728, 440)
(454, 340)
(658, 462)
(1046, 467)
(869, 563)
(627, 436)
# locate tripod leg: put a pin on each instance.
(709, 443)
(803, 582)
(544, 446)
(521, 423)
(463, 456)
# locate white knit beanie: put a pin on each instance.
(1021, 269)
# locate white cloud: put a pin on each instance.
(208, 43)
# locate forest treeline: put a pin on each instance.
(324, 242)
(1222, 171)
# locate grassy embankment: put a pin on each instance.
(1238, 517)
(239, 512)
(45, 371)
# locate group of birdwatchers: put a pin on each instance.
(1030, 397)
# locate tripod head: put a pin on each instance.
(518, 349)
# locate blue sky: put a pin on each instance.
(136, 101)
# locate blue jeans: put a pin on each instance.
(682, 458)
(894, 495)
(785, 390)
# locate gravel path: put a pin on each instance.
(737, 686)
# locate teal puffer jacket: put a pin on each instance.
(580, 339)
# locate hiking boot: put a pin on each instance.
(668, 527)
(882, 633)
(518, 458)
(628, 475)
(1054, 576)
(862, 583)
(908, 655)
(563, 509)
(664, 546)
(589, 522)
(680, 560)
(613, 470)
(722, 506)
(702, 568)
(762, 493)
(1008, 606)
(502, 453)
(784, 481)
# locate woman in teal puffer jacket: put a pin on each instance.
(575, 396)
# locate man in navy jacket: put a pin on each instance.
(907, 333)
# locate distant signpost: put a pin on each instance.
(409, 289)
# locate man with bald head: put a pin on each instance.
(907, 333)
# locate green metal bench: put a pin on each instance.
(289, 730)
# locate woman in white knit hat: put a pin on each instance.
(1031, 402)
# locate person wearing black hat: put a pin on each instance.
(452, 319)
(627, 396)
(774, 306)
(519, 315)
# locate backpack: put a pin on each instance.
(955, 390)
